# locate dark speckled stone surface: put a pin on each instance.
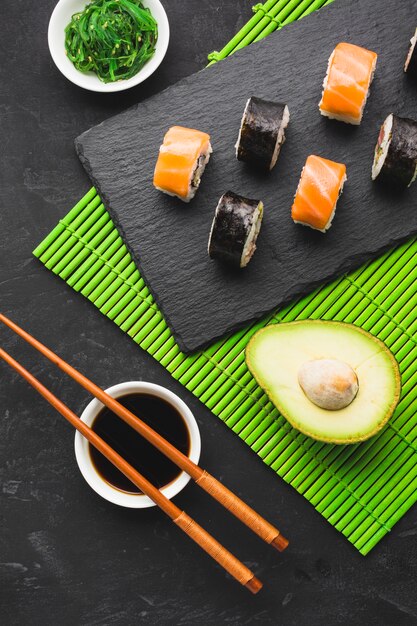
(67, 557)
(201, 299)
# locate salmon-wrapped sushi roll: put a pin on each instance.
(347, 82)
(182, 159)
(318, 191)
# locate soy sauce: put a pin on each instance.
(143, 456)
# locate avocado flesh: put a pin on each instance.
(275, 354)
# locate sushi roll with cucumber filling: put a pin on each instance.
(182, 159)
(262, 132)
(395, 158)
(235, 229)
(411, 61)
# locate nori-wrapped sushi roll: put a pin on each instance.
(235, 228)
(410, 65)
(395, 157)
(262, 132)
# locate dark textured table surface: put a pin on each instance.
(68, 557)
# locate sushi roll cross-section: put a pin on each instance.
(235, 229)
(320, 186)
(410, 65)
(182, 159)
(346, 85)
(395, 159)
(262, 132)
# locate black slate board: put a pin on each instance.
(202, 299)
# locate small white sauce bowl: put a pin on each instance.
(61, 17)
(97, 482)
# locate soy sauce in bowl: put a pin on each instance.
(143, 456)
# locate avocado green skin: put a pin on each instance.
(390, 410)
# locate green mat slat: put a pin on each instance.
(362, 490)
(268, 17)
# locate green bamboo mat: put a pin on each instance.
(362, 490)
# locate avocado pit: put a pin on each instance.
(329, 383)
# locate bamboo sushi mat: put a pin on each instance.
(363, 489)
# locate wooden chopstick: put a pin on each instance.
(226, 559)
(206, 481)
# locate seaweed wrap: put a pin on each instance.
(395, 157)
(262, 132)
(235, 228)
(410, 65)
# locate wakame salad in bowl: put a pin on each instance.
(108, 45)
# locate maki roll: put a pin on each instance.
(395, 157)
(262, 132)
(182, 159)
(346, 85)
(235, 228)
(410, 65)
(318, 191)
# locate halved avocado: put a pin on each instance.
(307, 365)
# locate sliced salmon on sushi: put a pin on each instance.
(346, 86)
(320, 186)
(182, 159)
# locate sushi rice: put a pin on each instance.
(413, 42)
(242, 121)
(382, 146)
(196, 175)
(281, 136)
(250, 245)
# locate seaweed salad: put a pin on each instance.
(113, 38)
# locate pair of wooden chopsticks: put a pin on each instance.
(217, 490)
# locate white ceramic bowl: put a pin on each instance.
(93, 478)
(61, 17)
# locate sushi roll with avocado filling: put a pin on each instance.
(235, 229)
(262, 132)
(410, 65)
(395, 159)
